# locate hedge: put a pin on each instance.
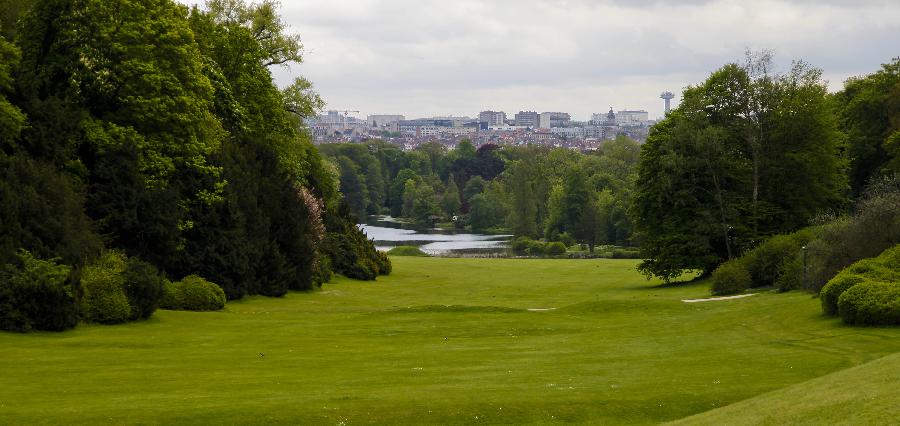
(871, 303)
(406, 251)
(866, 292)
(835, 288)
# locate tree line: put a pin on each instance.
(155, 129)
(530, 191)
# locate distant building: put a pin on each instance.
(452, 120)
(492, 118)
(595, 132)
(383, 120)
(554, 119)
(628, 118)
(431, 127)
(528, 119)
(505, 128)
(568, 132)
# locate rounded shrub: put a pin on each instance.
(556, 248)
(729, 278)
(198, 294)
(406, 251)
(871, 303)
(832, 291)
(143, 287)
(103, 295)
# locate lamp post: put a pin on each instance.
(804, 249)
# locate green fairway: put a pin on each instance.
(866, 395)
(441, 341)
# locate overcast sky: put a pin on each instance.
(423, 58)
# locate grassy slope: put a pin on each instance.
(866, 394)
(446, 341)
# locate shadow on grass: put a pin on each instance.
(687, 279)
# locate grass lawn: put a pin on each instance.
(442, 341)
(862, 395)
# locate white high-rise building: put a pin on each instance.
(629, 118)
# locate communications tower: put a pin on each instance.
(667, 96)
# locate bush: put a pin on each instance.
(870, 268)
(730, 277)
(384, 263)
(194, 293)
(871, 303)
(832, 291)
(169, 298)
(884, 268)
(353, 255)
(767, 262)
(566, 239)
(536, 248)
(143, 287)
(102, 284)
(520, 245)
(556, 248)
(36, 294)
(406, 251)
(791, 276)
(872, 229)
(322, 272)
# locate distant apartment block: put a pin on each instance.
(492, 118)
(568, 132)
(454, 121)
(554, 119)
(528, 119)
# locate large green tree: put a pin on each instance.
(12, 120)
(747, 154)
(869, 111)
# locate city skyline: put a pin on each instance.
(415, 59)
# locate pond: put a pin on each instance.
(389, 233)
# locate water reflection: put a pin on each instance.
(388, 233)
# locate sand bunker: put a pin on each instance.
(718, 298)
